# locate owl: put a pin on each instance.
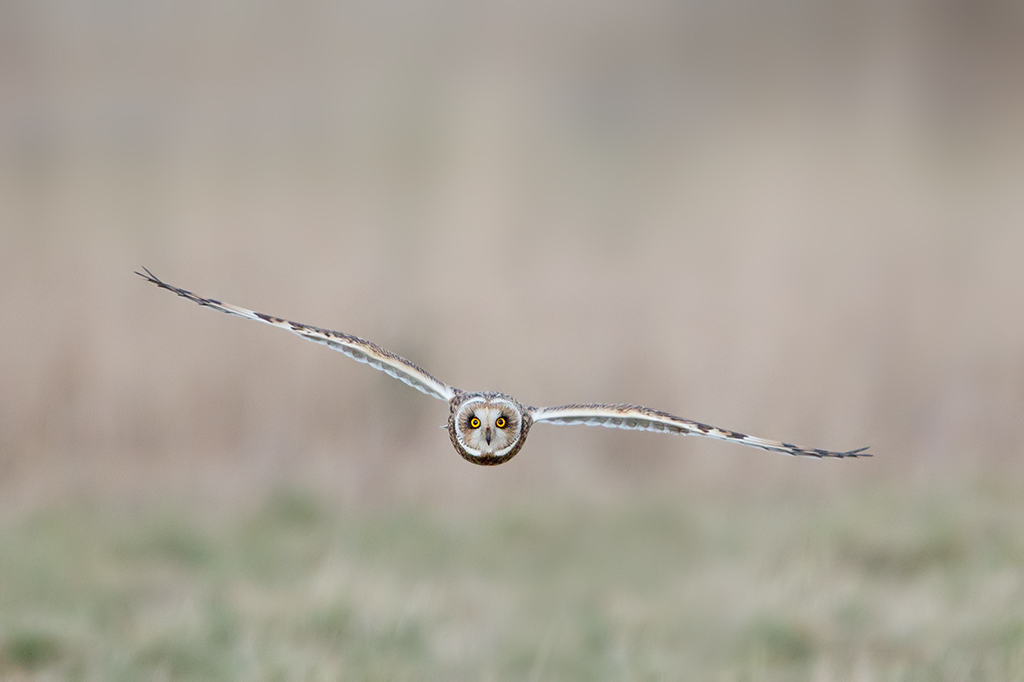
(489, 428)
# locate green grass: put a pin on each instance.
(867, 587)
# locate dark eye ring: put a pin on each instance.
(474, 423)
(500, 422)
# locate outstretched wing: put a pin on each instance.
(645, 419)
(352, 346)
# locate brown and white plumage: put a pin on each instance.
(490, 428)
(637, 418)
(356, 348)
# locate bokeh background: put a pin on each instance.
(801, 220)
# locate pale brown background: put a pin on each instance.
(799, 219)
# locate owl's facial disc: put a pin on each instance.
(488, 427)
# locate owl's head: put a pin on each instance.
(487, 428)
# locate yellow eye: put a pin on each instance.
(500, 422)
(474, 423)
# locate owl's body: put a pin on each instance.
(489, 428)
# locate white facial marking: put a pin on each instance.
(488, 438)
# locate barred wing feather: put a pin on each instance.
(356, 348)
(634, 417)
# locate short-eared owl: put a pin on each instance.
(490, 428)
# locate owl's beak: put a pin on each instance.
(487, 435)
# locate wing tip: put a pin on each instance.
(847, 454)
(147, 275)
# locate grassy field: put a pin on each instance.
(870, 586)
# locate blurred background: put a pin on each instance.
(800, 220)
